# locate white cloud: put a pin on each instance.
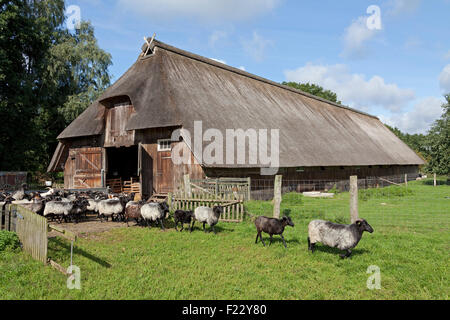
(419, 119)
(218, 60)
(398, 7)
(257, 46)
(217, 10)
(356, 37)
(242, 68)
(216, 36)
(447, 55)
(353, 89)
(444, 79)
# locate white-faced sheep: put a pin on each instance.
(155, 212)
(342, 236)
(272, 226)
(208, 215)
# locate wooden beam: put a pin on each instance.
(354, 199)
(277, 197)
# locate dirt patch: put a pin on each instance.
(89, 226)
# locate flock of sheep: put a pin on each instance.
(72, 207)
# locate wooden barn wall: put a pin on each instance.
(315, 173)
(174, 174)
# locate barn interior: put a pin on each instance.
(122, 168)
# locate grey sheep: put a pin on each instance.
(59, 209)
(208, 215)
(342, 236)
(154, 212)
(110, 208)
(272, 226)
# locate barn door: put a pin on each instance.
(164, 167)
(145, 171)
(86, 166)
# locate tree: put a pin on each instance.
(27, 30)
(315, 90)
(439, 142)
(48, 76)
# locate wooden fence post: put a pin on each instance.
(169, 200)
(277, 196)
(435, 182)
(249, 195)
(354, 198)
(406, 179)
(187, 186)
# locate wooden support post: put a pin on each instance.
(277, 197)
(217, 188)
(435, 182)
(406, 179)
(354, 198)
(249, 191)
(169, 200)
(187, 186)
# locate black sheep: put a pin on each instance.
(183, 217)
(272, 226)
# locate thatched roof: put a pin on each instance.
(172, 87)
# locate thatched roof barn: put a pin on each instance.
(168, 89)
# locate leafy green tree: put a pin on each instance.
(315, 90)
(439, 142)
(48, 76)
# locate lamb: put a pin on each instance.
(58, 209)
(183, 217)
(154, 212)
(341, 236)
(208, 215)
(110, 208)
(272, 226)
(133, 211)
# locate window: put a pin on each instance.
(164, 145)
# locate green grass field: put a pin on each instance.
(410, 245)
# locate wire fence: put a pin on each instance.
(417, 206)
(263, 189)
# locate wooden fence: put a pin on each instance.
(238, 188)
(31, 229)
(233, 208)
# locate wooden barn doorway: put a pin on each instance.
(122, 174)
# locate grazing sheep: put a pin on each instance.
(342, 236)
(133, 211)
(272, 226)
(57, 209)
(183, 217)
(208, 215)
(154, 212)
(110, 208)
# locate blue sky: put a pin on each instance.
(398, 70)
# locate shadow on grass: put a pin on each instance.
(57, 242)
(277, 240)
(337, 252)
